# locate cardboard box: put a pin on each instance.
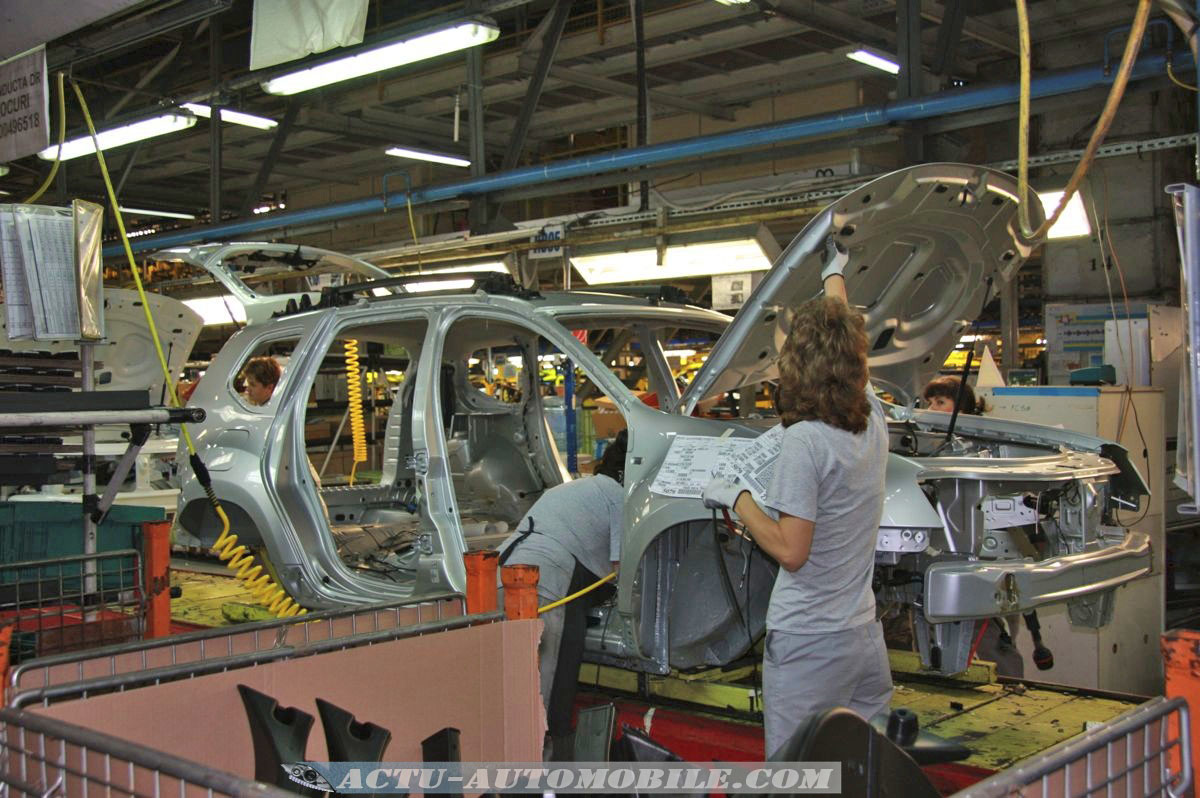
(607, 425)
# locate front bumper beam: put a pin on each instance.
(959, 591)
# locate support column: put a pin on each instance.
(1010, 326)
(477, 215)
(909, 81)
(214, 136)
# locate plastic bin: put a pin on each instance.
(44, 530)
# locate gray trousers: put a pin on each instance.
(805, 674)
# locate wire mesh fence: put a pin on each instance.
(43, 757)
(1144, 752)
(76, 674)
(71, 603)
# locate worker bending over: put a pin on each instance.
(824, 646)
(573, 534)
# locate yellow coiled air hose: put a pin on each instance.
(236, 558)
(354, 398)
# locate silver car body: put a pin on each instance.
(961, 516)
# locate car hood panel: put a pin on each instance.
(922, 244)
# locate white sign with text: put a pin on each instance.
(24, 112)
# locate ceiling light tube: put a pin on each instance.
(418, 47)
(233, 117)
(148, 212)
(874, 60)
(119, 136)
(681, 260)
(422, 155)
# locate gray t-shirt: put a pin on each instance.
(835, 479)
(577, 520)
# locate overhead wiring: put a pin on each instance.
(1121, 80)
(236, 557)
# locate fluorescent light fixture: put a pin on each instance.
(4, 169)
(118, 136)
(438, 285)
(874, 60)
(1073, 222)
(679, 352)
(148, 212)
(418, 47)
(268, 208)
(218, 309)
(689, 260)
(232, 117)
(422, 155)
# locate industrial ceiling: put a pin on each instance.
(703, 58)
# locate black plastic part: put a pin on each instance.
(280, 736)
(872, 765)
(443, 746)
(903, 727)
(200, 470)
(347, 739)
(1043, 657)
(636, 746)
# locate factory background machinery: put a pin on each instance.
(488, 169)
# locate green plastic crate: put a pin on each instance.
(45, 530)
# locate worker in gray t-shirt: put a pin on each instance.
(824, 646)
(573, 534)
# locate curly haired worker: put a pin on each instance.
(824, 646)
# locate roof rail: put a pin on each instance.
(341, 295)
(653, 293)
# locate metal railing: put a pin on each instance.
(46, 758)
(120, 668)
(1143, 752)
(69, 603)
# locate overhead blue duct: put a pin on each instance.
(950, 102)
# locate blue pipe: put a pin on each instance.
(949, 102)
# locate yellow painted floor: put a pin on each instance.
(204, 593)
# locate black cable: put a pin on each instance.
(726, 582)
(966, 372)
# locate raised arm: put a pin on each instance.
(832, 277)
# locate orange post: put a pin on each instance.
(520, 591)
(1181, 661)
(157, 555)
(481, 580)
(6, 630)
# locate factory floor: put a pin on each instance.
(209, 595)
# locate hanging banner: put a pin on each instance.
(24, 113)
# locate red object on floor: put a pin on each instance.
(702, 737)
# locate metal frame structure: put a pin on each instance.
(56, 595)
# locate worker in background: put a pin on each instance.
(941, 394)
(573, 534)
(824, 646)
(995, 638)
(261, 375)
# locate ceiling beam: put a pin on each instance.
(667, 99)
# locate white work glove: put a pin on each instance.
(721, 494)
(836, 258)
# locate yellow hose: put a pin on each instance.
(1132, 45)
(358, 431)
(577, 594)
(236, 558)
(62, 136)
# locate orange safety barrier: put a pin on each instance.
(6, 630)
(157, 540)
(481, 580)
(1181, 661)
(520, 591)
